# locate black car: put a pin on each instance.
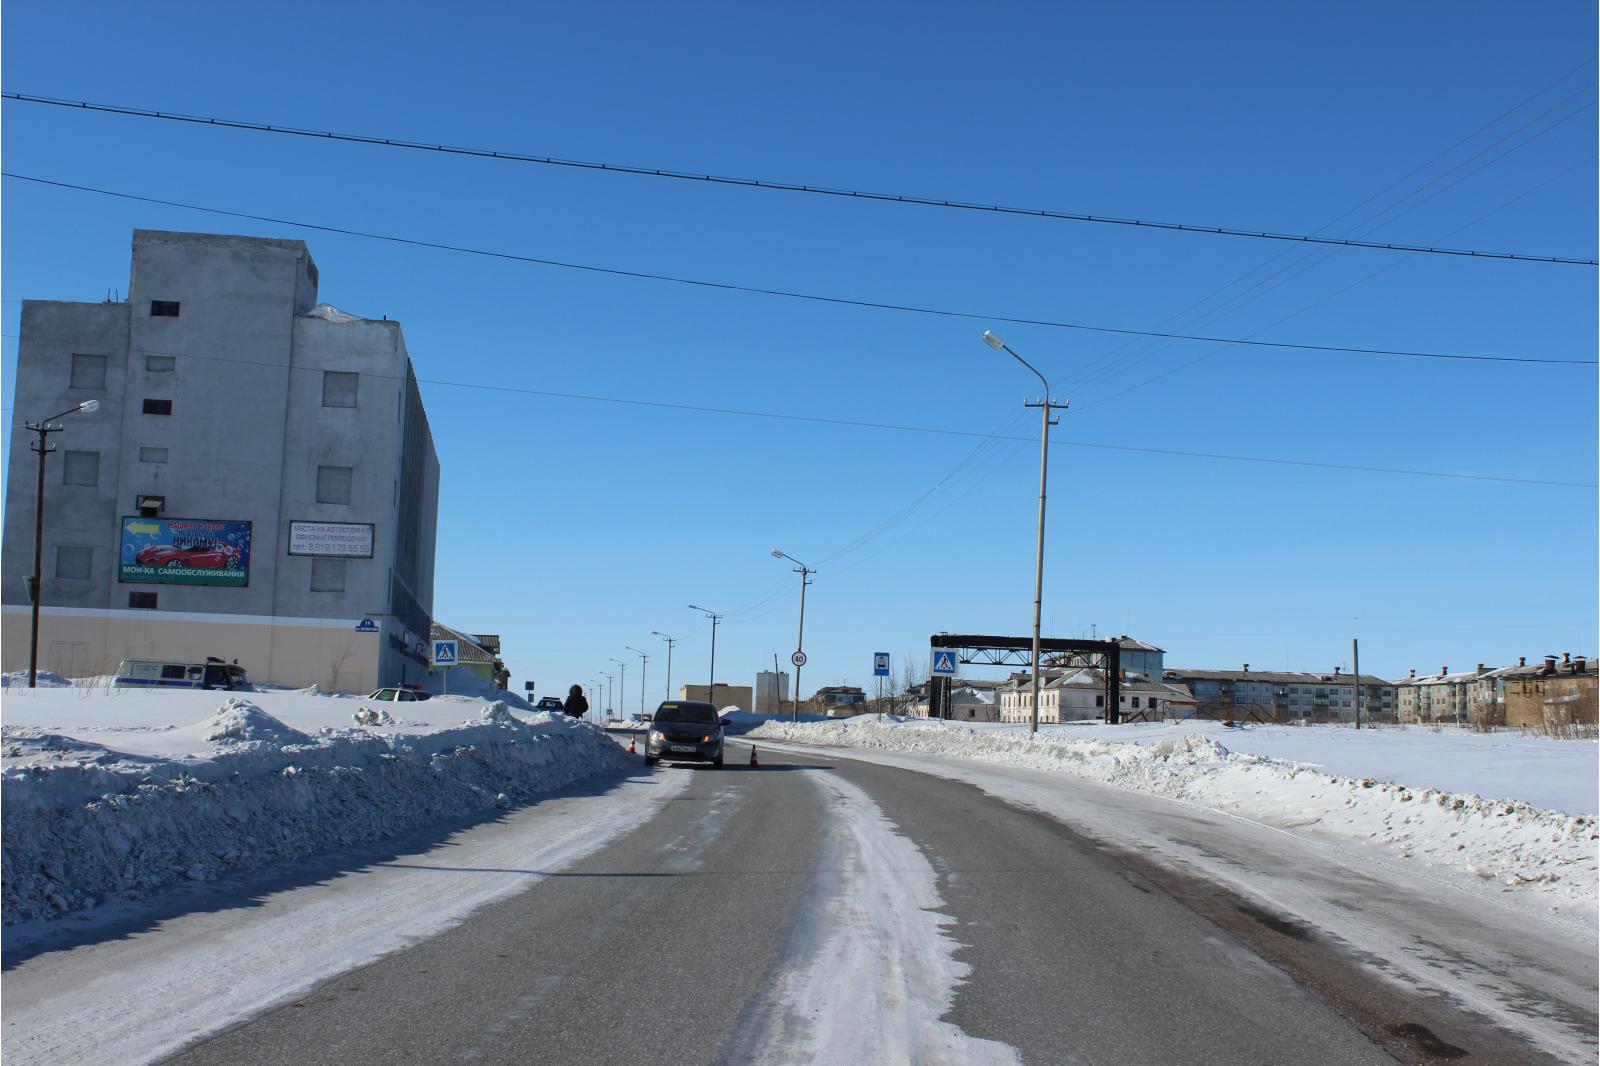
(685, 731)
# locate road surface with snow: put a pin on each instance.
(817, 909)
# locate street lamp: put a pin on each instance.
(799, 656)
(644, 661)
(622, 677)
(670, 642)
(711, 684)
(1046, 405)
(609, 678)
(44, 448)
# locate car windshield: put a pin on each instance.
(687, 713)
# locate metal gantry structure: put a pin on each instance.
(1054, 652)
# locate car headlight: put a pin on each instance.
(657, 737)
(707, 738)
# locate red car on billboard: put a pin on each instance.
(215, 557)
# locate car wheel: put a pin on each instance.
(651, 760)
(717, 762)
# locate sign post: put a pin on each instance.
(444, 657)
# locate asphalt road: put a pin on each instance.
(682, 941)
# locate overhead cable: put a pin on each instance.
(794, 295)
(780, 186)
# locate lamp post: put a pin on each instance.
(711, 683)
(44, 448)
(644, 661)
(799, 657)
(609, 678)
(670, 642)
(1045, 405)
(622, 677)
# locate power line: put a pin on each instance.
(666, 405)
(780, 186)
(791, 294)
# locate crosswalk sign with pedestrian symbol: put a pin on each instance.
(444, 653)
(944, 664)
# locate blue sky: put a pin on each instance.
(609, 519)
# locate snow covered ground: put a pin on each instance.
(113, 793)
(1512, 809)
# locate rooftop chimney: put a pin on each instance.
(1480, 668)
(1522, 660)
(1580, 665)
(1335, 671)
(1549, 665)
(1443, 670)
(1566, 658)
(1247, 668)
(1413, 671)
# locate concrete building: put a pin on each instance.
(837, 701)
(726, 695)
(1441, 697)
(772, 691)
(260, 482)
(1553, 696)
(970, 700)
(1285, 695)
(1079, 695)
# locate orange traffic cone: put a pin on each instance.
(631, 750)
(753, 757)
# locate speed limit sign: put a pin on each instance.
(798, 658)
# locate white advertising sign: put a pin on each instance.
(348, 539)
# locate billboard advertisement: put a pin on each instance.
(184, 551)
(349, 540)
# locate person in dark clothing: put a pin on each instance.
(576, 706)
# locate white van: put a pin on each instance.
(153, 673)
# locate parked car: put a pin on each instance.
(400, 694)
(684, 730)
(550, 703)
(216, 557)
(153, 673)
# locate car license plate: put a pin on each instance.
(683, 747)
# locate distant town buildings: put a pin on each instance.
(1550, 694)
(742, 696)
(1285, 696)
(259, 482)
(1079, 694)
(771, 692)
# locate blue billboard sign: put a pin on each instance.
(184, 551)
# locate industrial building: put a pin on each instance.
(258, 483)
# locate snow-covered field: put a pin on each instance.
(112, 793)
(1513, 809)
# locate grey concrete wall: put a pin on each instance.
(51, 332)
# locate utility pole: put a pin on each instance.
(1355, 656)
(670, 642)
(644, 661)
(43, 447)
(609, 678)
(622, 678)
(711, 683)
(799, 657)
(1045, 405)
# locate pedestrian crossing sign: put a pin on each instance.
(444, 653)
(944, 664)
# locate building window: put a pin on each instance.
(160, 364)
(153, 455)
(144, 601)
(1135, 703)
(81, 468)
(1100, 700)
(333, 484)
(339, 388)
(327, 575)
(74, 562)
(89, 372)
(158, 407)
(163, 308)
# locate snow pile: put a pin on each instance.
(44, 679)
(83, 821)
(373, 716)
(1504, 840)
(242, 722)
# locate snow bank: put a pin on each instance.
(43, 678)
(1505, 840)
(83, 821)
